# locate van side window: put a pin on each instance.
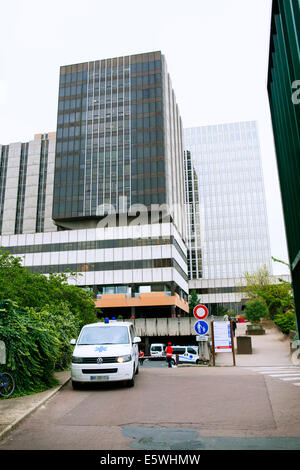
(191, 351)
(178, 350)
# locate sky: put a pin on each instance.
(216, 51)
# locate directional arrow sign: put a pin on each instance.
(201, 327)
(200, 312)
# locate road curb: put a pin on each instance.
(19, 420)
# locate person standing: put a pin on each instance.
(233, 326)
(169, 352)
(141, 357)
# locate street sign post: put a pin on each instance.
(201, 327)
(200, 312)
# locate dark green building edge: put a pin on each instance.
(284, 70)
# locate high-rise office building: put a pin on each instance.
(119, 140)
(284, 97)
(233, 218)
(118, 151)
(232, 232)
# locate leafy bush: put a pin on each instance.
(31, 349)
(286, 321)
(64, 326)
(255, 310)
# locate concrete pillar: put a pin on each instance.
(32, 185)
(49, 226)
(147, 346)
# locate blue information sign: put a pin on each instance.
(201, 327)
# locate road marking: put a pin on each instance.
(283, 375)
(287, 373)
(283, 371)
(289, 378)
(259, 369)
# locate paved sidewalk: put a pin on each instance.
(14, 410)
(271, 349)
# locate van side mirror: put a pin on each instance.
(73, 342)
(137, 339)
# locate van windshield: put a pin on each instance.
(156, 348)
(104, 335)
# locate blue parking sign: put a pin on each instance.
(201, 327)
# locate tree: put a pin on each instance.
(255, 310)
(277, 296)
(32, 290)
(193, 301)
(219, 310)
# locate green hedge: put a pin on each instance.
(286, 321)
(36, 344)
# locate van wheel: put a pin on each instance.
(172, 362)
(198, 361)
(130, 383)
(76, 385)
(137, 370)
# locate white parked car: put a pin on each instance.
(157, 350)
(105, 352)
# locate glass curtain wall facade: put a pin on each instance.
(119, 135)
(193, 221)
(232, 210)
(284, 97)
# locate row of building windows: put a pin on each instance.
(109, 266)
(106, 86)
(219, 290)
(109, 115)
(104, 71)
(95, 245)
(107, 99)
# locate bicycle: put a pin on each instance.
(7, 384)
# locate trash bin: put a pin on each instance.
(244, 345)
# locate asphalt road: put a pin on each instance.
(181, 408)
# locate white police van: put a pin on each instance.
(185, 355)
(105, 352)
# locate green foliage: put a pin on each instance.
(193, 301)
(256, 309)
(277, 296)
(220, 310)
(38, 317)
(286, 321)
(36, 290)
(63, 325)
(31, 349)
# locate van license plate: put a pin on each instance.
(99, 377)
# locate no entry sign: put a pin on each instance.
(200, 312)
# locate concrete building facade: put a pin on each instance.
(26, 185)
